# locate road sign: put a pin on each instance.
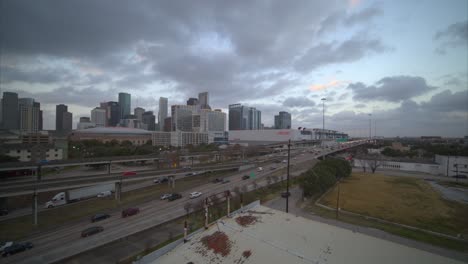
(252, 175)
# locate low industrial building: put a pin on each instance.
(107, 134)
(270, 136)
(263, 235)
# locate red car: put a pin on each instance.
(130, 212)
(129, 173)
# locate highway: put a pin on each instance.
(65, 241)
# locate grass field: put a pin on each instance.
(402, 200)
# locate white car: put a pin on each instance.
(4, 245)
(195, 194)
(165, 196)
(104, 194)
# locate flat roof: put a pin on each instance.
(112, 130)
(277, 237)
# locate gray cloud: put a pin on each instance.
(298, 102)
(447, 101)
(359, 106)
(392, 89)
(363, 16)
(350, 50)
(45, 76)
(452, 36)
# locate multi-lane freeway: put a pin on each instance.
(65, 241)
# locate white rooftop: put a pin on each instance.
(113, 130)
(278, 237)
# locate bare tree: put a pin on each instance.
(373, 162)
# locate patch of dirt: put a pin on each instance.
(218, 242)
(246, 220)
(246, 253)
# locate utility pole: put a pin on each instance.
(287, 178)
(206, 213)
(338, 200)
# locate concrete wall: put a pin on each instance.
(448, 165)
(402, 166)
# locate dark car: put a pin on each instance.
(99, 217)
(3, 211)
(130, 212)
(245, 177)
(217, 180)
(91, 231)
(225, 181)
(17, 247)
(174, 196)
(285, 194)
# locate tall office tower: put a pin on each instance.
(192, 101)
(204, 100)
(67, 119)
(10, 111)
(113, 113)
(98, 117)
(125, 104)
(238, 117)
(29, 115)
(210, 121)
(162, 114)
(255, 119)
(41, 121)
(139, 113)
(182, 117)
(59, 110)
(283, 120)
(150, 120)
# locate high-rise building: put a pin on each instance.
(125, 104)
(138, 112)
(98, 117)
(113, 113)
(41, 121)
(162, 114)
(67, 119)
(255, 119)
(59, 111)
(192, 101)
(29, 115)
(283, 120)
(167, 124)
(85, 122)
(10, 111)
(150, 120)
(209, 121)
(182, 117)
(203, 100)
(244, 118)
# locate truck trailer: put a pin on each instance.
(74, 195)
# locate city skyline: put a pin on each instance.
(365, 57)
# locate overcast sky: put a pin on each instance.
(404, 62)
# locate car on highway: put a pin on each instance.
(91, 231)
(225, 181)
(285, 194)
(130, 211)
(260, 169)
(104, 194)
(245, 177)
(186, 168)
(4, 245)
(165, 196)
(16, 247)
(129, 173)
(161, 179)
(195, 195)
(191, 174)
(3, 212)
(99, 217)
(272, 168)
(285, 161)
(217, 180)
(174, 196)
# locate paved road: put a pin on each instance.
(295, 208)
(65, 240)
(452, 193)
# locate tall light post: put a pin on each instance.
(323, 114)
(370, 126)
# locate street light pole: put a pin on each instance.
(287, 178)
(323, 115)
(370, 126)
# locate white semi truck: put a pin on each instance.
(70, 196)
